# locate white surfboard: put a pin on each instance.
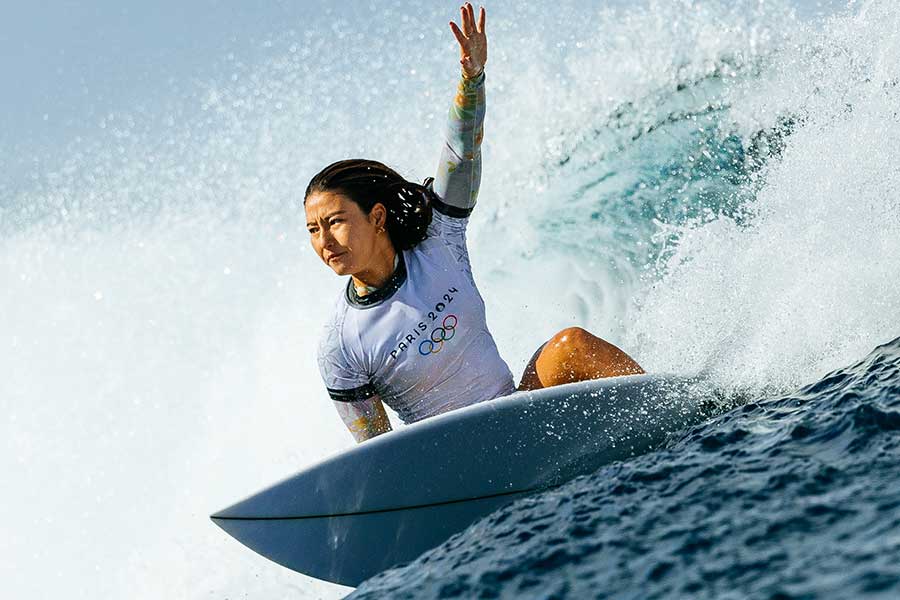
(388, 500)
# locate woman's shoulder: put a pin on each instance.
(339, 354)
(447, 239)
(332, 329)
(430, 256)
(439, 240)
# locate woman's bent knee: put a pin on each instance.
(572, 338)
(575, 354)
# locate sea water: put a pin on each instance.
(712, 187)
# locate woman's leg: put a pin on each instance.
(574, 354)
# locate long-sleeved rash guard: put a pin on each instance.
(420, 343)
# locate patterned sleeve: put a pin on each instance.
(364, 418)
(459, 170)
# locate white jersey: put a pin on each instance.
(420, 342)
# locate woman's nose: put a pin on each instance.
(326, 238)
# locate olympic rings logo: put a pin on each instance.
(439, 335)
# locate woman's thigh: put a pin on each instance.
(530, 379)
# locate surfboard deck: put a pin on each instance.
(388, 500)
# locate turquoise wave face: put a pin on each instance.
(670, 157)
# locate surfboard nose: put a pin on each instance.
(223, 523)
(235, 511)
(228, 519)
(284, 499)
(244, 523)
(247, 508)
(221, 515)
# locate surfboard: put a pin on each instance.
(389, 499)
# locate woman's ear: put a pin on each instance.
(378, 216)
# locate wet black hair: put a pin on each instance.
(369, 182)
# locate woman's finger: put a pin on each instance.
(481, 17)
(464, 19)
(471, 11)
(459, 35)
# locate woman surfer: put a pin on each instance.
(409, 329)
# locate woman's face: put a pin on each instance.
(344, 237)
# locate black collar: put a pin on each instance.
(381, 294)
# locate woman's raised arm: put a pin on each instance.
(459, 170)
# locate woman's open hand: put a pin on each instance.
(472, 41)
